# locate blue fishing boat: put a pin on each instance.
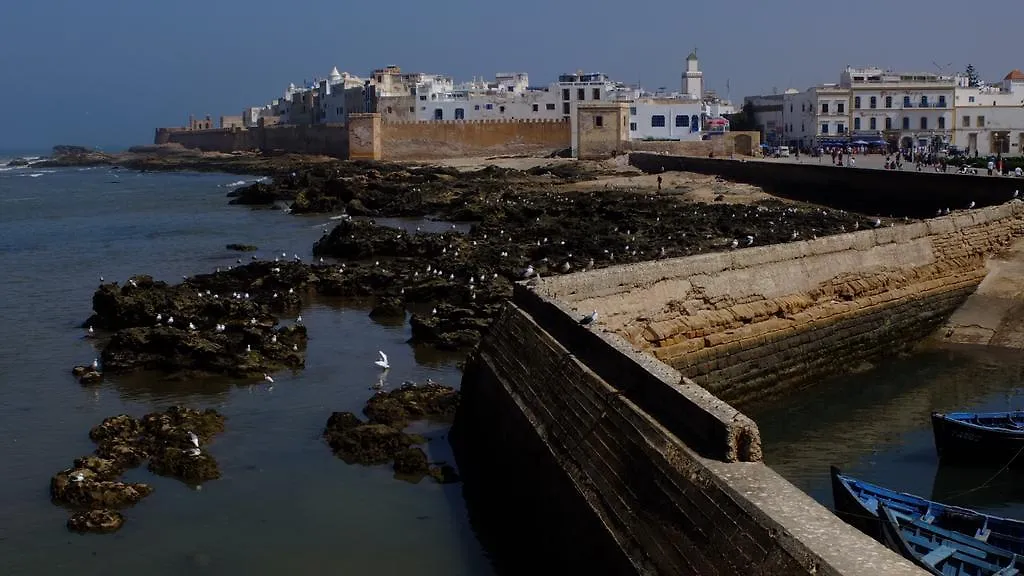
(859, 504)
(945, 552)
(994, 439)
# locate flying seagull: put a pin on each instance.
(383, 362)
(589, 318)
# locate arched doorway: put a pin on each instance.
(743, 144)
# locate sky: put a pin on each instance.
(107, 72)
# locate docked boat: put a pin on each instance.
(994, 439)
(945, 552)
(859, 503)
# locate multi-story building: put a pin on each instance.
(666, 118)
(990, 118)
(909, 110)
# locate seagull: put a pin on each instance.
(248, 348)
(749, 240)
(191, 326)
(77, 477)
(159, 317)
(1015, 194)
(383, 362)
(95, 363)
(273, 339)
(734, 243)
(299, 319)
(528, 271)
(193, 438)
(91, 331)
(878, 221)
(268, 378)
(971, 205)
(170, 319)
(589, 318)
(295, 347)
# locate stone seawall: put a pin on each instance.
(589, 482)
(325, 139)
(758, 322)
(869, 191)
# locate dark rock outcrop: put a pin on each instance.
(412, 402)
(174, 443)
(241, 247)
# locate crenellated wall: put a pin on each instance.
(458, 138)
(757, 322)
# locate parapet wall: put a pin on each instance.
(757, 322)
(869, 191)
(582, 476)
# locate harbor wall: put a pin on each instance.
(758, 322)
(373, 139)
(869, 191)
(570, 466)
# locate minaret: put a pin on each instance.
(693, 78)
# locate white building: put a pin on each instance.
(908, 109)
(331, 96)
(666, 119)
(990, 118)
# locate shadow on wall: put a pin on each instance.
(865, 190)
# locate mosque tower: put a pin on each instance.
(693, 78)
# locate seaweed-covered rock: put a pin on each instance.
(80, 487)
(101, 521)
(411, 462)
(388, 307)
(190, 465)
(241, 247)
(412, 402)
(357, 442)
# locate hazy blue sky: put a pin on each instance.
(105, 72)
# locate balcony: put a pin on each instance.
(928, 105)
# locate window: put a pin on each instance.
(824, 127)
(906, 101)
(873, 123)
(906, 123)
(565, 93)
(632, 126)
(824, 107)
(632, 110)
(856, 123)
(565, 108)
(476, 107)
(873, 102)
(790, 107)
(802, 104)
(489, 106)
(924, 122)
(581, 94)
(924, 101)
(856, 103)
(840, 128)
(423, 97)
(981, 122)
(888, 123)
(549, 106)
(536, 107)
(970, 98)
(597, 93)
(942, 101)
(389, 109)
(658, 121)
(840, 107)
(501, 109)
(599, 121)
(460, 114)
(965, 121)
(438, 114)
(888, 101)
(682, 121)
(942, 122)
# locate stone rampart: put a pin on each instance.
(461, 138)
(321, 139)
(869, 191)
(586, 479)
(756, 322)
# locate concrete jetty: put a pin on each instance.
(626, 451)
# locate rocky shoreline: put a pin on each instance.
(449, 286)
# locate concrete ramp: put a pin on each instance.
(994, 314)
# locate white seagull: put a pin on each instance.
(91, 331)
(95, 363)
(193, 438)
(268, 378)
(589, 318)
(383, 362)
(77, 477)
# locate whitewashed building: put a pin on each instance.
(908, 109)
(666, 119)
(990, 118)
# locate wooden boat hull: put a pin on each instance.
(960, 441)
(860, 503)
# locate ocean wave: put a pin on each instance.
(235, 184)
